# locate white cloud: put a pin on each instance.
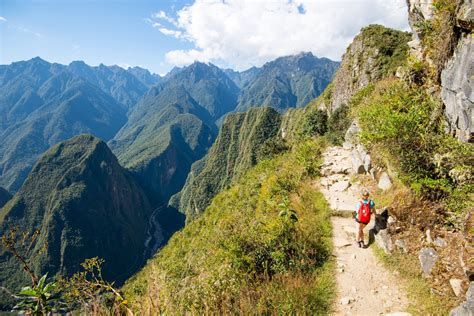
(243, 33)
(2, 19)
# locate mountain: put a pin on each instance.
(160, 143)
(117, 82)
(287, 82)
(231, 155)
(5, 196)
(43, 103)
(172, 126)
(207, 84)
(242, 78)
(85, 205)
(70, 106)
(144, 76)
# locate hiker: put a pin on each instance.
(362, 216)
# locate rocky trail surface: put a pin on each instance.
(364, 286)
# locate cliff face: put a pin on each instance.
(85, 205)
(450, 50)
(375, 53)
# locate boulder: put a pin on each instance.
(440, 242)
(383, 240)
(340, 186)
(456, 285)
(428, 258)
(357, 162)
(384, 182)
(352, 134)
(467, 307)
(367, 163)
(402, 245)
(465, 15)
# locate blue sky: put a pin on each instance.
(161, 34)
(109, 32)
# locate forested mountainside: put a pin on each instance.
(287, 82)
(84, 204)
(5, 196)
(42, 104)
(231, 155)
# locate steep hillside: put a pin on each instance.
(260, 247)
(287, 82)
(231, 155)
(84, 204)
(163, 137)
(5, 196)
(73, 107)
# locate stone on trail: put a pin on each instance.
(384, 182)
(357, 163)
(440, 242)
(428, 258)
(456, 285)
(346, 300)
(467, 307)
(401, 244)
(340, 186)
(383, 240)
(367, 163)
(341, 242)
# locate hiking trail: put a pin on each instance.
(364, 286)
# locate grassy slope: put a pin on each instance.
(245, 254)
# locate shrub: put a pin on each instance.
(338, 123)
(398, 120)
(314, 123)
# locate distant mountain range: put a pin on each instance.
(44, 103)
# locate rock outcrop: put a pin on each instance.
(375, 53)
(457, 74)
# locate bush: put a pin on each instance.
(398, 120)
(314, 123)
(338, 124)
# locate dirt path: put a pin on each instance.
(365, 287)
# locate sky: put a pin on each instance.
(161, 34)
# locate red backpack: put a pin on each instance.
(363, 216)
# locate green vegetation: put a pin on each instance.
(82, 202)
(391, 46)
(400, 125)
(262, 246)
(232, 154)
